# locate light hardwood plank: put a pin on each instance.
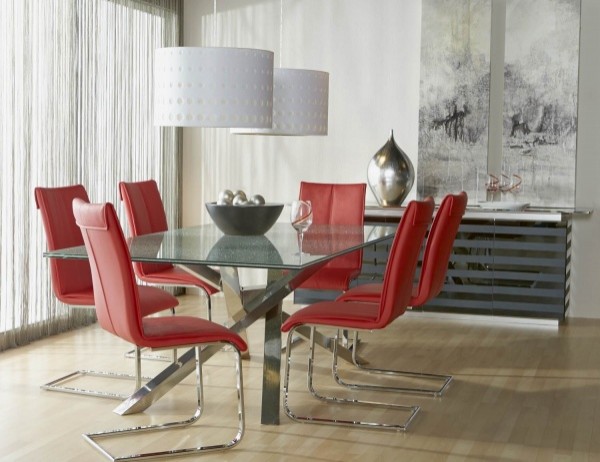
(520, 393)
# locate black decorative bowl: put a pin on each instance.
(244, 220)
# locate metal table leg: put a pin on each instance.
(266, 303)
(257, 304)
(271, 386)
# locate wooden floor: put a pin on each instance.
(519, 394)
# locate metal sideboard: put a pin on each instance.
(505, 263)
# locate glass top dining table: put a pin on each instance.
(206, 252)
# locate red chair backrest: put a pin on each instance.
(402, 261)
(145, 214)
(115, 290)
(337, 204)
(55, 205)
(439, 247)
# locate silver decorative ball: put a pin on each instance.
(239, 201)
(240, 193)
(257, 199)
(225, 197)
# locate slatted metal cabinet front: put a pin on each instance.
(510, 268)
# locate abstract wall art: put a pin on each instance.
(454, 96)
(540, 98)
(537, 108)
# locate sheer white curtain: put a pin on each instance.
(76, 107)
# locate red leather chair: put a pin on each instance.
(336, 204)
(145, 215)
(431, 280)
(396, 293)
(72, 279)
(119, 310)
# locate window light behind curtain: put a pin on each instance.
(76, 107)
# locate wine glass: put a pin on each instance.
(301, 218)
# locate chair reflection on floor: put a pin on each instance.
(396, 294)
(118, 306)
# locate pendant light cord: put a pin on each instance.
(215, 23)
(280, 34)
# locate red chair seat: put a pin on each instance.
(177, 276)
(369, 293)
(79, 298)
(152, 300)
(345, 315)
(175, 331)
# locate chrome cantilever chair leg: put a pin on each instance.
(55, 385)
(445, 379)
(208, 304)
(411, 410)
(162, 455)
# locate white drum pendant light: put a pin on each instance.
(300, 104)
(213, 87)
(300, 100)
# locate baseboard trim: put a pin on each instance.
(487, 319)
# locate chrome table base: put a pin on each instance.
(245, 307)
(256, 304)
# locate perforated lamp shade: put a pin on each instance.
(213, 87)
(300, 104)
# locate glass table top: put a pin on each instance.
(278, 248)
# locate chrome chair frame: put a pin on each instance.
(433, 272)
(446, 379)
(55, 385)
(162, 455)
(412, 410)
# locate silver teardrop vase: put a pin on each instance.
(390, 174)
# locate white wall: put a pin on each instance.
(372, 55)
(585, 273)
(372, 52)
